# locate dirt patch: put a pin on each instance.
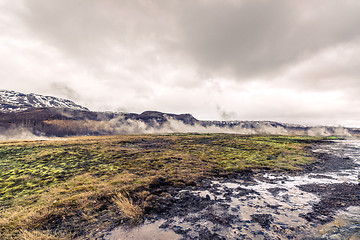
(260, 204)
(333, 197)
(329, 160)
(263, 219)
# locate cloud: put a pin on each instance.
(293, 61)
(246, 38)
(252, 38)
(94, 32)
(333, 68)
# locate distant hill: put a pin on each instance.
(50, 116)
(11, 101)
(69, 122)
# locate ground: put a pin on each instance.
(84, 186)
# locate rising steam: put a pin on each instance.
(125, 125)
(18, 134)
(121, 125)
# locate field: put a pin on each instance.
(70, 188)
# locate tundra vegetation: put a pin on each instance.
(67, 188)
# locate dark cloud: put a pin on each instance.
(246, 59)
(91, 30)
(246, 38)
(251, 38)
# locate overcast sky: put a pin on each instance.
(289, 61)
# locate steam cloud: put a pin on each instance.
(121, 125)
(18, 134)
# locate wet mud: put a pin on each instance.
(320, 202)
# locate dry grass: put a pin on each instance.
(127, 207)
(53, 189)
(35, 235)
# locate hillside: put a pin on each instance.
(11, 101)
(50, 116)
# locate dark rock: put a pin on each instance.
(263, 219)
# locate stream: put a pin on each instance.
(323, 203)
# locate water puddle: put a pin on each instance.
(346, 225)
(271, 207)
(147, 231)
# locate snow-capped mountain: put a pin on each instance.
(11, 101)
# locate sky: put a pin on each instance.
(278, 60)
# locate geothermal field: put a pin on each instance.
(180, 186)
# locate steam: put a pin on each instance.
(175, 126)
(327, 131)
(18, 134)
(121, 125)
(130, 126)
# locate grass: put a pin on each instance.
(52, 189)
(127, 207)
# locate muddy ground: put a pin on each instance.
(260, 205)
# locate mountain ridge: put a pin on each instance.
(12, 101)
(66, 118)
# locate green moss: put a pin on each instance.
(31, 170)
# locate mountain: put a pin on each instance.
(69, 122)
(11, 101)
(50, 116)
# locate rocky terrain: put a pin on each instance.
(320, 202)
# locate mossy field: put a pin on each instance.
(70, 188)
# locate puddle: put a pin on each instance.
(270, 207)
(147, 231)
(346, 225)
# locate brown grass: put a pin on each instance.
(127, 207)
(36, 235)
(53, 189)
